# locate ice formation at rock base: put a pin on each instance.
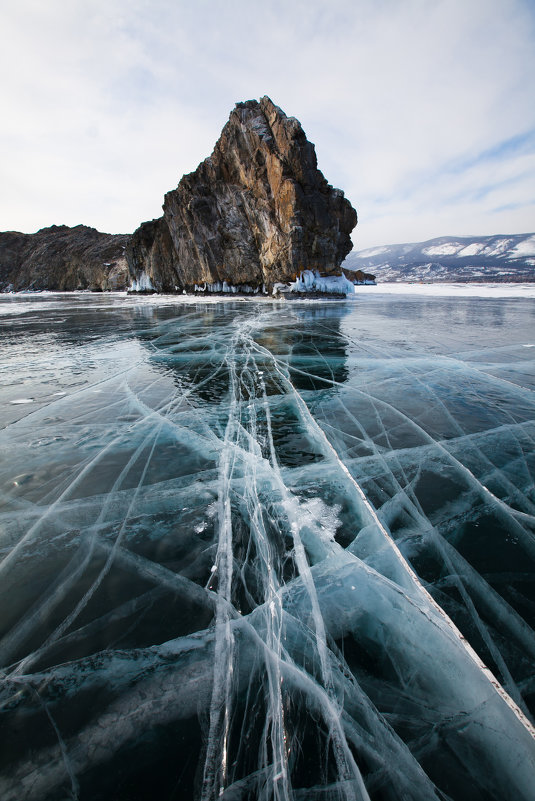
(227, 546)
(308, 281)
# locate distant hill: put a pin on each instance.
(451, 258)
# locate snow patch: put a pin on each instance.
(499, 248)
(471, 250)
(524, 248)
(448, 249)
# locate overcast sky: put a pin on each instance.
(422, 111)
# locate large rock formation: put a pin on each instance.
(256, 212)
(62, 258)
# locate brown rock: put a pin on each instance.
(256, 211)
(357, 276)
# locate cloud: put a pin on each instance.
(421, 111)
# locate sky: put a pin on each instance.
(422, 111)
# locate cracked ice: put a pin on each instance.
(262, 550)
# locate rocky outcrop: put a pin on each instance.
(62, 258)
(256, 212)
(358, 276)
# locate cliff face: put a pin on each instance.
(255, 212)
(62, 258)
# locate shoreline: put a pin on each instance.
(398, 288)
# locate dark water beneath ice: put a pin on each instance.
(260, 550)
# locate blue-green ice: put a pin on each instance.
(267, 550)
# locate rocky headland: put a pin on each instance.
(258, 211)
(254, 216)
(61, 259)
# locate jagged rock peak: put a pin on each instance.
(255, 212)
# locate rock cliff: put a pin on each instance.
(256, 212)
(358, 276)
(62, 258)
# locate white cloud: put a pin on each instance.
(108, 103)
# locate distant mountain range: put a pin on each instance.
(451, 258)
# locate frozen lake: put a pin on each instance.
(268, 550)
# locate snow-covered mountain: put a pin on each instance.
(451, 258)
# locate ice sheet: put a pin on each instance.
(261, 550)
(476, 290)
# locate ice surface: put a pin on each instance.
(267, 550)
(479, 290)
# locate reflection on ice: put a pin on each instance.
(253, 551)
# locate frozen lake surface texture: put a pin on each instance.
(267, 550)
